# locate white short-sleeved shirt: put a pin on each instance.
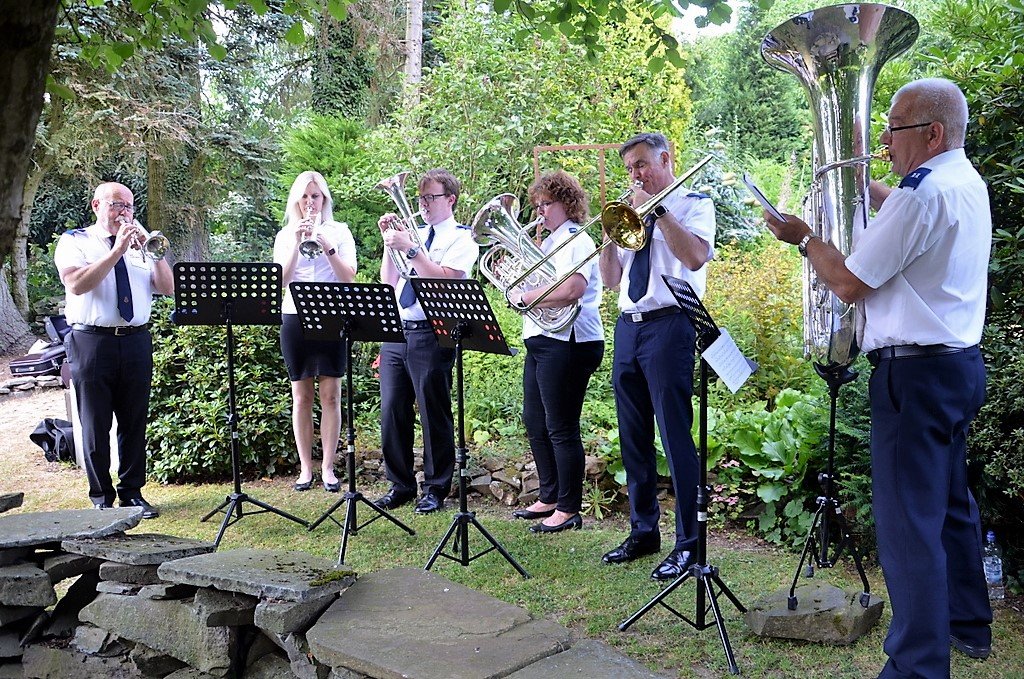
(453, 246)
(694, 211)
(926, 255)
(587, 325)
(82, 247)
(316, 270)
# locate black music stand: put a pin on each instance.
(462, 318)
(229, 294)
(705, 575)
(352, 311)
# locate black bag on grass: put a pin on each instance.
(56, 438)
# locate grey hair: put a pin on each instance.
(942, 101)
(653, 140)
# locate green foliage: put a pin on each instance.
(43, 281)
(341, 72)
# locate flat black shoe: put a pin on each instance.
(633, 548)
(574, 522)
(332, 487)
(429, 503)
(148, 510)
(304, 486)
(394, 498)
(674, 565)
(532, 516)
(971, 651)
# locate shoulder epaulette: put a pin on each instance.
(694, 194)
(914, 179)
(75, 232)
(573, 229)
(461, 226)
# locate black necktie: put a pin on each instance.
(124, 288)
(640, 271)
(408, 297)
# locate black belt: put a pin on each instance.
(876, 356)
(416, 325)
(641, 316)
(118, 330)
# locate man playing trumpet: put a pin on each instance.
(419, 371)
(110, 286)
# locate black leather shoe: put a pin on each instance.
(102, 505)
(148, 510)
(532, 516)
(394, 498)
(976, 652)
(674, 565)
(574, 522)
(429, 503)
(299, 487)
(332, 487)
(633, 548)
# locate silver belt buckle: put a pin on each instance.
(121, 330)
(637, 317)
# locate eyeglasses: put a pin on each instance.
(545, 204)
(118, 206)
(429, 198)
(889, 130)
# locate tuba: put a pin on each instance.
(837, 52)
(515, 261)
(394, 186)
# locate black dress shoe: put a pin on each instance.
(532, 516)
(394, 498)
(332, 487)
(633, 548)
(299, 487)
(574, 522)
(674, 565)
(970, 650)
(429, 503)
(148, 510)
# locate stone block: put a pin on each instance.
(171, 627)
(270, 666)
(303, 664)
(64, 616)
(10, 645)
(105, 587)
(153, 663)
(141, 549)
(215, 608)
(168, 590)
(282, 617)
(128, 573)
(92, 640)
(16, 555)
(291, 576)
(407, 622)
(25, 585)
(588, 658)
(9, 614)
(64, 566)
(44, 662)
(9, 501)
(825, 614)
(43, 528)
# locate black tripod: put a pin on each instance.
(363, 311)
(828, 519)
(462, 318)
(221, 293)
(709, 584)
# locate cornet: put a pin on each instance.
(153, 244)
(310, 247)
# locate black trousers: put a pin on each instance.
(555, 378)
(417, 372)
(927, 522)
(112, 376)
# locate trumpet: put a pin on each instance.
(394, 186)
(310, 247)
(155, 244)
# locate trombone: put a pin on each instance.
(624, 225)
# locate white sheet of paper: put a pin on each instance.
(761, 198)
(728, 362)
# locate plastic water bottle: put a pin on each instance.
(993, 563)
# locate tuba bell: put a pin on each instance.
(837, 52)
(394, 186)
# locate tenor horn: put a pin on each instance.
(837, 52)
(394, 186)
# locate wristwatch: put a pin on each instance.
(412, 252)
(659, 211)
(802, 245)
(330, 253)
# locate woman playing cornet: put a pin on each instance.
(310, 219)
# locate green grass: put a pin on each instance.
(569, 585)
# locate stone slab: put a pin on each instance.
(587, 658)
(108, 587)
(167, 590)
(153, 663)
(141, 549)
(128, 573)
(44, 662)
(171, 627)
(10, 645)
(16, 555)
(292, 576)
(825, 614)
(215, 608)
(9, 614)
(407, 622)
(64, 566)
(282, 617)
(25, 585)
(41, 528)
(9, 501)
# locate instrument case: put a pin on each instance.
(46, 362)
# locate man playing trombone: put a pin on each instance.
(654, 350)
(419, 371)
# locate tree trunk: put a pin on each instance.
(27, 29)
(12, 326)
(414, 49)
(19, 255)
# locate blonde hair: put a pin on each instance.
(294, 212)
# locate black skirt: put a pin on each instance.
(307, 358)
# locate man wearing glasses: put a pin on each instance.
(919, 275)
(110, 286)
(419, 371)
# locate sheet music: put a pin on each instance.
(761, 198)
(728, 362)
